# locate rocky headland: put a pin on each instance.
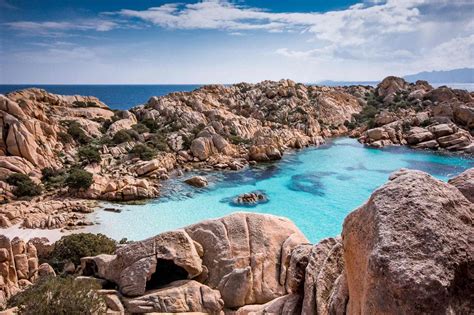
(407, 250)
(57, 151)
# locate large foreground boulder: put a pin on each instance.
(408, 250)
(245, 257)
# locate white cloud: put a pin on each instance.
(54, 28)
(393, 16)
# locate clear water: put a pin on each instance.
(316, 188)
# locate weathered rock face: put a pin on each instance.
(18, 266)
(30, 120)
(241, 255)
(177, 297)
(390, 86)
(413, 230)
(465, 183)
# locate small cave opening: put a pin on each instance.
(165, 273)
(90, 268)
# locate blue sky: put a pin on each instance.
(218, 41)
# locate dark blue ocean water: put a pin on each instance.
(115, 96)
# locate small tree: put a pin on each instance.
(75, 246)
(75, 130)
(158, 141)
(25, 187)
(121, 136)
(144, 152)
(89, 154)
(78, 179)
(140, 128)
(151, 124)
(59, 295)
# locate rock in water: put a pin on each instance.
(409, 250)
(250, 199)
(197, 181)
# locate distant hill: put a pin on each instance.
(464, 75)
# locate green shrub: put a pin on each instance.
(25, 187)
(158, 141)
(239, 140)
(75, 246)
(78, 179)
(121, 136)
(52, 178)
(366, 115)
(49, 172)
(75, 130)
(151, 124)
(65, 137)
(143, 151)
(85, 104)
(59, 295)
(140, 128)
(89, 154)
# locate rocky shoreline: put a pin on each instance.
(406, 250)
(71, 149)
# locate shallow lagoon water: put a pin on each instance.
(316, 188)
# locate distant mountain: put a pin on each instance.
(464, 75)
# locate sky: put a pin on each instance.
(225, 41)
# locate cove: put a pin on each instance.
(315, 187)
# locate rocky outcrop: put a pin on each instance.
(31, 120)
(49, 214)
(18, 267)
(422, 117)
(242, 259)
(124, 188)
(414, 229)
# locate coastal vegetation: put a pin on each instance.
(25, 187)
(59, 295)
(79, 179)
(71, 248)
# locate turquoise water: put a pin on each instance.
(316, 188)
